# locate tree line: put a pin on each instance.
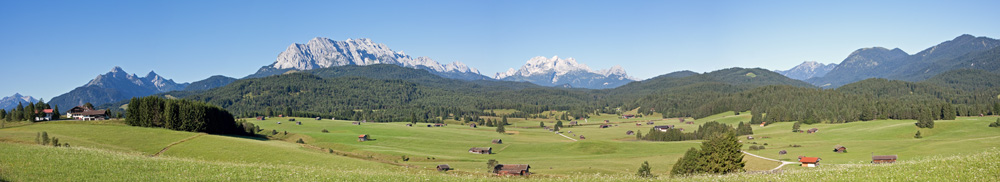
(29, 112)
(704, 131)
(185, 115)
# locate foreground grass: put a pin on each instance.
(20, 162)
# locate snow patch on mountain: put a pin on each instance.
(324, 53)
(541, 65)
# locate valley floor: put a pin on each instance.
(954, 150)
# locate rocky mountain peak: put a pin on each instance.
(556, 71)
(324, 53)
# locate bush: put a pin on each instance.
(917, 135)
(326, 131)
(300, 141)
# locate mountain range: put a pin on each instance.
(965, 51)
(324, 53)
(567, 72)
(807, 70)
(362, 57)
(114, 86)
(10, 102)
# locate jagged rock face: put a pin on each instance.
(116, 85)
(324, 53)
(564, 73)
(11, 102)
(808, 70)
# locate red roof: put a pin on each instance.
(809, 159)
(361, 136)
(47, 111)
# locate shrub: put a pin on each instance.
(326, 131)
(917, 135)
(300, 141)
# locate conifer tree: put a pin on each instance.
(689, 164)
(918, 135)
(500, 129)
(721, 154)
(541, 124)
(55, 113)
(644, 170)
(796, 126)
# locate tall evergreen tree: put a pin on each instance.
(55, 113)
(796, 126)
(721, 154)
(500, 129)
(29, 112)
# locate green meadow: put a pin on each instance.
(110, 148)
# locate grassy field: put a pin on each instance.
(606, 154)
(41, 163)
(605, 151)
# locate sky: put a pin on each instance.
(48, 48)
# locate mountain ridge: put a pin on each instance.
(557, 72)
(323, 52)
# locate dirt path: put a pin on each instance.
(175, 143)
(783, 163)
(565, 136)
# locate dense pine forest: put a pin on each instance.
(384, 93)
(185, 115)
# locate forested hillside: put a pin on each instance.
(393, 93)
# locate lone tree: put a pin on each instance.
(492, 164)
(720, 154)
(796, 126)
(500, 129)
(644, 170)
(541, 124)
(994, 124)
(917, 135)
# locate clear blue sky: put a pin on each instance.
(48, 48)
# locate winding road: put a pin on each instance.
(783, 163)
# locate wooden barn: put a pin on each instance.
(649, 123)
(573, 123)
(363, 137)
(497, 141)
(318, 118)
(481, 150)
(809, 161)
(629, 132)
(409, 124)
(443, 167)
(688, 122)
(813, 130)
(581, 137)
(356, 123)
(879, 159)
(261, 118)
(512, 169)
(840, 149)
(473, 125)
(291, 119)
(438, 125)
(604, 126)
